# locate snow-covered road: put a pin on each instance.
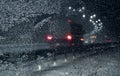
(106, 63)
(103, 64)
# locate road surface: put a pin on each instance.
(104, 63)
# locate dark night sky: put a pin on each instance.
(108, 11)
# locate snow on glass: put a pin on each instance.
(21, 12)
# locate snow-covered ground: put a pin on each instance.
(103, 64)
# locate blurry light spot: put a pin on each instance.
(69, 7)
(84, 16)
(86, 41)
(94, 15)
(49, 37)
(80, 10)
(69, 37)
(65, 60)
(66, 73)
(99, 20)
(83, 8)
(90, 20)
(39, 67)
(74, 10)
(92, 41)
(93, 37)
(96, 21)
(101, 23)
(91, 17)
(82, 39)
(54, 64)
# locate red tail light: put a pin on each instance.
(49, 37)
(69, 37)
